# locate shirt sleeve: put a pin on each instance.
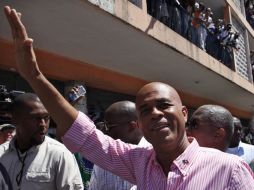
(242, 177)
(113, 155)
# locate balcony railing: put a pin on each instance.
(206, 36)
(238, 4)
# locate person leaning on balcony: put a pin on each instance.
(174, 21)
(211, 37)
(202, 32)
(173, 161)
(195, 24)
(212, 126)
(220, 26)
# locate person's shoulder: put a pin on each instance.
(143, 154)
(218, 156)
(4, 147)
(54, 145)
(246, 145)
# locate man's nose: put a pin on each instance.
(43, 121)
(10, 133)
(157, 113)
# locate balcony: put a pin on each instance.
(122, 39)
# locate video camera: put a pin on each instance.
(6, 97)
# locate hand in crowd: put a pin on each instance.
(28, 68)
(76, 94)
(25, 57)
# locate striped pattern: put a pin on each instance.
(104, 180)
(85, 168)
(196, 169)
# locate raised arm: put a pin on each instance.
(28, 68)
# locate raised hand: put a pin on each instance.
(25, 57)
(27, 66)
(76, 94)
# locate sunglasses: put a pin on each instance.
(105, 126)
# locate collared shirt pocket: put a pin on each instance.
(39, 176)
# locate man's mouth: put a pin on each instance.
(41, 133)
(9, 137)
(157, 127)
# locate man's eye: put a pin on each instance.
(38, 118)
(192, 125)
(47, 118)
(164, 105)
(144, 111)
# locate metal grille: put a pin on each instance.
(238, 4)
(240, 55)
(107, 5)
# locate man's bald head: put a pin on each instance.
(121, 122)
(205, 125)
(121, 111)
(20, 101)
(216, 115)
(160, 107)
(152, 87)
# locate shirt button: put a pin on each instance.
(185, 162)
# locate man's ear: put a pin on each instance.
(219, 139)
(220, 133)
(185, 113)
(134, 125)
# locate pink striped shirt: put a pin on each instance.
(196, 168)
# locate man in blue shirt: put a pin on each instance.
(244, 150)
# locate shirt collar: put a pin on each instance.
(184, 161)
(237, 148)
(240, 144)
(12, 145)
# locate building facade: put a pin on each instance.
(116, 46)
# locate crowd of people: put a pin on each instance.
(249, 10)
(248, 133)
(195, 22)
(141, 145)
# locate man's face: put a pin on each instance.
(161, 116)
(32, 123)
(119, 131)
(252, 128)
(6, 134)
(202, 131)
(237, 134)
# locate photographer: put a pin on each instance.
(7, 132)
(77, 98)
